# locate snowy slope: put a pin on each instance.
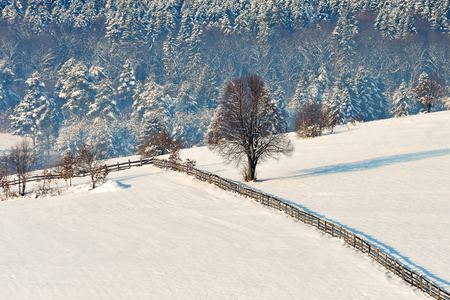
(386, 180)
(151, 234)
(7, 141)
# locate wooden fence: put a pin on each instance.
(412, 277)
(82, 173)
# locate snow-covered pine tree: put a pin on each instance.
(345, 31)
(186, 102)
(206, 89)
(342, 100)
(403, 102)
(76, 88)
(27, 114)
(104, 106)
(278, 97)
(125, 136)
(13, 12)
(101, 138)
(37, 15)
(148, 108)
(127, 86)
(8, 99)
(48, 129)
(301, 96)
(72, 135)
(371, 95)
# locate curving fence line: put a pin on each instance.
(412, 277)
(82, 173)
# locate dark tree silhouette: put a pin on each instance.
(248, 125)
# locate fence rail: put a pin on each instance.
(412, 277)
(82, 173)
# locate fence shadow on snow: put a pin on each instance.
(412, 277)
(331, 228)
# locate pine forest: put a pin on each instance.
(119, 74)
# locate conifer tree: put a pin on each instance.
(28, 114)
(8, 99)
(342, 100)
(206, 89)
(37, 15)
(279, 99)
(345, 31)
(127, 86)
(148, 108)
(76, 88)
(301, 96)
(104, 106)
(403, 103)
(371, 96)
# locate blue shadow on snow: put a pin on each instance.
(367, 164)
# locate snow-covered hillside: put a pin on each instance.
(151, 234)
(154, 234)
(386, 180)
(7, 141)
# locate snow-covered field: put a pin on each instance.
(154, 234)
(387, 180)
(7, 141)
(151, 234)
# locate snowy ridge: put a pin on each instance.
(350, 238)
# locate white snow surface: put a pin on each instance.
(153, 234)
(387, 180)
(7, 141)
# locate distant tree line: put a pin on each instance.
(114, 73)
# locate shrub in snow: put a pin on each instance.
(428, 90)
(87, 161)
(312, 119)
(22, 160)
(308, 121)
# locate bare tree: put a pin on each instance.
(87, 162)
(247, 124)
(23, 160)
(428, 90)
(66, 168)
(312, 119)
(158, 144)
(308, 121)
(4, 175)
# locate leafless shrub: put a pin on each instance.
(308, 121)
(23, 160)
(190, 162)
(67, 167)
(312, 119)
(429, 90)
(87, 162)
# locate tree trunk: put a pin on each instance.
(22, 193)
(251, 169)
